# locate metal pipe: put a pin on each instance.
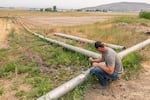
(87, 40)
(134, 48)
(73, 48)
(68, 86)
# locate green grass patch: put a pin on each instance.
(90, 47)
(132, 65)
(1, 91)
(76, 94)
(20, 93)
(125, 19)
(10, 67)
(3, 54)
(29, 55)
(144, 14)
(41, 85)
(7, 70)
(73, 43)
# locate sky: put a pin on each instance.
(61, 4)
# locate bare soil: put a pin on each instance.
(4, 27)
(135, 89)
(63, 21)
(12, 86)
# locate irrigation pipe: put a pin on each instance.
(87, 40)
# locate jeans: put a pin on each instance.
(102, 76)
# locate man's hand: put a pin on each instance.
(96, 60)
(91, 59)
(95, 64)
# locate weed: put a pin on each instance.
(90, 47)
(1, 72)
(1, 91)
(131, 65)
(20, 93)
(72, 43)
(76, 94)
(10, 67)
(3, 54)
(145, 15)
(24, 69)
(35, 71)
(41, 86)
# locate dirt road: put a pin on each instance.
(135, 89)
(63, 21)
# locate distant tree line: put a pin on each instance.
(95, 10)
(54, 9)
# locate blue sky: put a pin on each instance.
(69, 4)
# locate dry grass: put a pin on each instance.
(108, 31)
(38, 13)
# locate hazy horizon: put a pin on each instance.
(62, 4)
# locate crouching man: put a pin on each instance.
(113, 66)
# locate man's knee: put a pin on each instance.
(96, 70)
(92, 71)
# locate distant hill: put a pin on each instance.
(120, 7)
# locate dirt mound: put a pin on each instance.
(135, 89)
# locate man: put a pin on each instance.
(113, 68)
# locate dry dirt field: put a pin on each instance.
(63, 21)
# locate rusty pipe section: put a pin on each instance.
(87, 40)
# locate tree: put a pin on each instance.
(54, 8)
(48, 9)
(42, 9)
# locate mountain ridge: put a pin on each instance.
(120, 7)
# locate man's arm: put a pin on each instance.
(107, 69)
(96, 60)
(110, 65)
